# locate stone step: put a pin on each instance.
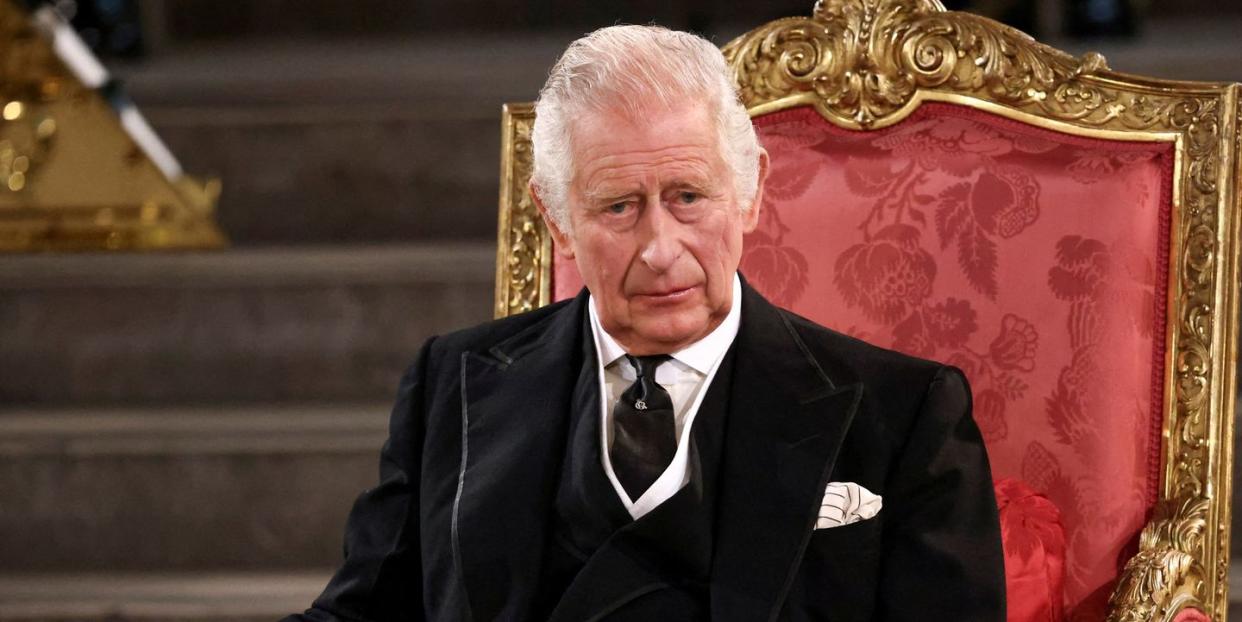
(303, 174)
(351, 142)
(242, 325)
(163, 597)
(201, 19)
(182, 489)
(234, 597)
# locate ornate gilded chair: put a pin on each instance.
(946, 186)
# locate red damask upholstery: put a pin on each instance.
(1033, 260)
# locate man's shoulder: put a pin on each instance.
(849, 359)
(896, 387)
(480, 338)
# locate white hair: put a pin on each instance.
(627, 68)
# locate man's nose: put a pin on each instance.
(660, 246)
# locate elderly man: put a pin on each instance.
(668, 445)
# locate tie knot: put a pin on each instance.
(645, 366)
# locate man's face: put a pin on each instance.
(656, 229)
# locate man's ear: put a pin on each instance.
(750, 219)
(561, 241)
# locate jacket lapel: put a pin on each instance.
(515, 403)
(785, 425)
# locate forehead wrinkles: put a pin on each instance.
(673, 163)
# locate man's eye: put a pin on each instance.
(617, 208)
(689, 197)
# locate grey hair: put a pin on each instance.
(626, 68)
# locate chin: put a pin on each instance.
(675, 332)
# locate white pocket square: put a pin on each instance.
(845, 503)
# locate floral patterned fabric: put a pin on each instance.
(1033, 260)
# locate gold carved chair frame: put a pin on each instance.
(867, 64)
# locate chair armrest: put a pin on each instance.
(1165, 576)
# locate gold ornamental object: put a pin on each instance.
(79, 172)
(867, 64)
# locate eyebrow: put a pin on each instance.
(608, 195)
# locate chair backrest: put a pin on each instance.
(945, 186)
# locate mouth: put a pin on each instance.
(666, 296)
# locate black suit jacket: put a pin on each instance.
(456, 527)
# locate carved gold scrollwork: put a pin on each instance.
(522, 278)
(1166, 575)
(863, 60)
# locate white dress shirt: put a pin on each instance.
(686, 377)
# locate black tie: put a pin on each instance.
(644, 434)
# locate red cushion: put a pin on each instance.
(1034, 260)
(1191, 615)
(1034, 553)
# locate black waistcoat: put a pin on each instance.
(591, 527)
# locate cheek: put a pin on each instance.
(721, 247)
(603, 259)
(736, 249)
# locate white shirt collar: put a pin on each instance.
(699, 356)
